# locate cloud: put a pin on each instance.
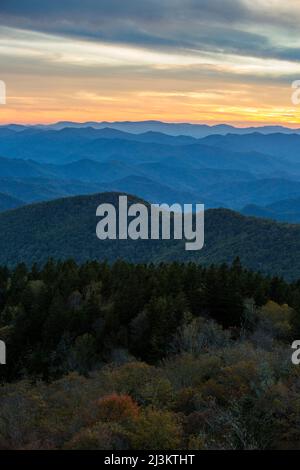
(261, 28)
(210, 60)
(51, 51)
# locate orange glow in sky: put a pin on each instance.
(51, 76)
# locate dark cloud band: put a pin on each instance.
(227, 26)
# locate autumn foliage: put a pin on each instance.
(116, 408)
(148, 357)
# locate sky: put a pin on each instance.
(207, 61)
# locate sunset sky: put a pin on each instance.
(209, 61)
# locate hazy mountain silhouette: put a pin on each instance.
(254, 169)
(188, 129)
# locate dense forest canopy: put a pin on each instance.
(47, 311)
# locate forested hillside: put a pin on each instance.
(66, 228)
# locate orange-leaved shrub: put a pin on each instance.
(116, 408)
